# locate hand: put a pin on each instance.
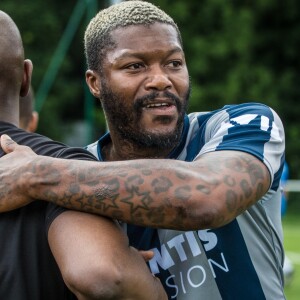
(146, 254)
(13, 170)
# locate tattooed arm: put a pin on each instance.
(206, 193)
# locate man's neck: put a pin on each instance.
(9, 114)
(125, 151)
(9, 104)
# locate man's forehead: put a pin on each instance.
(152, 32)
(139, 39)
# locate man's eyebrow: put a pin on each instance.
(175, 50)
(128, 54)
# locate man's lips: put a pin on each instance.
(161, 108)
(158, 105)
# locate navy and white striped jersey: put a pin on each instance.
(243, 259)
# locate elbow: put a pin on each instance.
(205, 217)
(202, 220)
(96, 282)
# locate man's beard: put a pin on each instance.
(126, 119)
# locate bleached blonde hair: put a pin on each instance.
(98, 39)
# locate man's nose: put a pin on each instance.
(158, 80)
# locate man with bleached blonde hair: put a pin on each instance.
(201, 189)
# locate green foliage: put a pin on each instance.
(242, 51)
(236, 51)
(291, 229)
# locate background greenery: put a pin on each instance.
(291, 227)
(236, 50)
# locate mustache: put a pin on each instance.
(142, 101)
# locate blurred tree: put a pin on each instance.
(240, 51)
(42, 24)
(236, 51)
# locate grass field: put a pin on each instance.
(291, 229)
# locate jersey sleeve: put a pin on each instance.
(252, 128)
(52, 212)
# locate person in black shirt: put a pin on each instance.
(47, 251)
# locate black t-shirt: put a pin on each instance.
(28, 270)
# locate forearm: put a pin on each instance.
(140, 283)
(96, 262)
(157, 193)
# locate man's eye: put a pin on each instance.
(175, 64)
(135, 66)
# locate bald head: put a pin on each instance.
(15, 72)
(11, 53)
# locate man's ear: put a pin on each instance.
(26, 81)
(33, 123)
(93, 81)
